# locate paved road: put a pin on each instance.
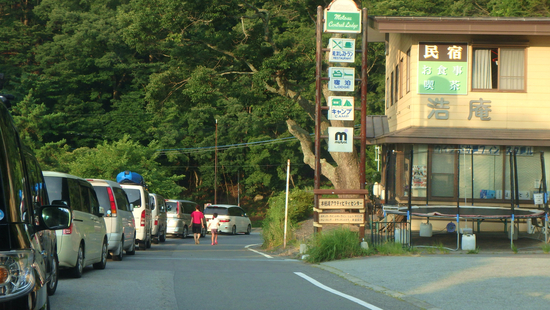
(455, 281)
(178, 274)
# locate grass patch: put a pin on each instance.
(476, 251)
(545, 248)
(392, 248)
(335, 244)
(437, 248)
(514, 249)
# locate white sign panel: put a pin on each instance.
(341, 50)
(341, 108)
(340, 139)
(341, 79)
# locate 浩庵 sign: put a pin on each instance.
(341, 50)
(341, 79)
(340, 139)
(443, 68)
(341, 108)
(341, 218)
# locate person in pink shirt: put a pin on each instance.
(198, 223)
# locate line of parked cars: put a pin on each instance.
(51, 220)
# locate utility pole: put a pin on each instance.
(216, 166)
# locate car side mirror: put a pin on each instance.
(53, 217)
(60, 203)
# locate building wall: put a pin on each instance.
(511, 110)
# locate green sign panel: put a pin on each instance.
(348, 22)
(443, 68)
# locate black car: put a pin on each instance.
(27, 253)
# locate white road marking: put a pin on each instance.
(333, 291)
(258, 252)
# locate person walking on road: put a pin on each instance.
(213, 225)
(198, 223)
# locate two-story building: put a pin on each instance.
(462, 95)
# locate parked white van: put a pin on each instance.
(232, 218)
(85, 241)
(158, 213)
(139, 201)
(119, 217)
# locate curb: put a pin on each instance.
(416, 302)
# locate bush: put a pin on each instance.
(300, 207)
(335, 244)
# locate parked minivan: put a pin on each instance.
(25, 218)
(138, 195)
(119, 217)
(179, 216)
(232, 218)
(85, 241)
(158, 213)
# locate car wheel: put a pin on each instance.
(234, 230)
(101, 264)
(162, 238)
(76, 271)
(54, 278)
(248, 229)
(156, 239)
(132, 250)
(118, 257)
(185, 232)
(142, 246)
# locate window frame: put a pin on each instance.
(519, 45)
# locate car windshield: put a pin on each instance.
(134, 196)
(171, 207)
(220, 211)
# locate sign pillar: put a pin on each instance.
(341, 16)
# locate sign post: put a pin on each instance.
(341, 16)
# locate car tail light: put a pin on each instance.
(143, 218)
(156, 222)
(69, 230)
(178, 209)
(225, 221)
(111, 201)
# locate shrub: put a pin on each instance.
(335, 244)
(300, 207)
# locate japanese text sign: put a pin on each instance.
(341, 108)
(443, 68)
(341, 203)
(341, 79)
(341, 50)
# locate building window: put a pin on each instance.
(397, 82)
(498, 69)
(387, 93)
(408, 72)
(392, 88)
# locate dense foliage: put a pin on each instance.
(156, 85)
(297, 209)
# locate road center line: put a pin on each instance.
(258, 252)
(328, 289)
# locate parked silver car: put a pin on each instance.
(119, 217)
